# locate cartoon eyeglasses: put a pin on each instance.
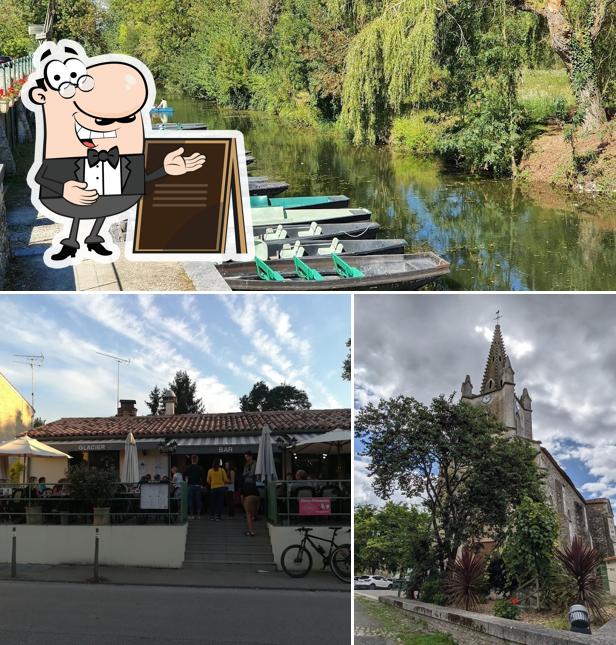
(68, 76)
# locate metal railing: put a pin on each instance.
(314, 502)
(15, 70)
(56, 504)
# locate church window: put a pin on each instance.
(490, 384)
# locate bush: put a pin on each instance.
(93, 486)
(465, 583)
(509, 608)
(433, 590)
(418, 132)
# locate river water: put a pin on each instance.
(496, 234)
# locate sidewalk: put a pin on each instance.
(189, 577)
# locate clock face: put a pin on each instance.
(486, 398)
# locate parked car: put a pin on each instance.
(373, 582)
(5, 59)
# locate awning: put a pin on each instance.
(233, 443)
(93, 445)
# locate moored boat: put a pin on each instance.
(181, 126)
(317, 201)
(409, 271)
(314, 231)
(162, 110)
(280, 249)
(268, 188)
(274, 215)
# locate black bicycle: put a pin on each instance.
(296, 559)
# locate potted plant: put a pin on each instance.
(94, 488)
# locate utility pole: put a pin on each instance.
(119, 361)
(32, 361)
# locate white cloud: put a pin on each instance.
(217, 396)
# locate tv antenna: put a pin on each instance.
(119, 361)
(32, 361)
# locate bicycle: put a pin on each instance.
(296, 559)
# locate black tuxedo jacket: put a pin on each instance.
(54, 173)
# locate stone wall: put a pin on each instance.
(601, 524)
(4, 233)
(469, 628)
(564, 499)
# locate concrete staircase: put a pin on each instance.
(223, 545)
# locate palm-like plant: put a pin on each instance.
(581, 561)
(465, 580)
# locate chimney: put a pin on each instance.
(169, 399)
(128, 408)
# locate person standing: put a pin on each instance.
(250, 503)
(217, 481)
(195, 477)
(230, 492)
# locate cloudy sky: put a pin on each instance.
(562, 348)
(226, 343)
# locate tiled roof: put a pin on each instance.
(182, 425)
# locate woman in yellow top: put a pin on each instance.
(217, 481)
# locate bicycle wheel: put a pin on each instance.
(296, 561)
(340, 562)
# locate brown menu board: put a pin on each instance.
(190, 213)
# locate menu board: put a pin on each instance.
(192, 213)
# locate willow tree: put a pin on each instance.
(574, 27)
(389, 64)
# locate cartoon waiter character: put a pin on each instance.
(89, 162)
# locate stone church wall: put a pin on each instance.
(601, 523)
(565, 501)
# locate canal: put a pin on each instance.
(496, 234)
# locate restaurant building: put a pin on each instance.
(169, 439)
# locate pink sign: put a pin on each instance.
(315, 506)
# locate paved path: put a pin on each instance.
(368, 630)
(214, 577)
(67, 614)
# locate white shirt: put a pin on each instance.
(104, 178)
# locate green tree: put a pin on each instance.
(154, 401)
(38, 422)
(528, 551)
(469, 473)
(346, 366)
(282, 397)
(185, 390)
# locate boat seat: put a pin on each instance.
(314, 229)
(335, 247)
(288, 251)
(279, 233)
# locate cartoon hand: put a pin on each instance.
(175, 164)
(75, 192)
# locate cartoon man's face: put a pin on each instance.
(95, 107)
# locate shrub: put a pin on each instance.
(433, 590)
(580, 561)
(92, 486)
(465, 581)
(507, 608)
(418, 132)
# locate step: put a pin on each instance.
(230, 543)
(206, 553)
(230, 566)
(225, 557)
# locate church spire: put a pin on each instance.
(497, 364)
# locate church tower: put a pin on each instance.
(497, 391)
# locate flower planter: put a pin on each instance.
(101, 516)
(4, 106)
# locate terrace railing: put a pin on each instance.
(314, 502)
(13, 71)
(152, 503)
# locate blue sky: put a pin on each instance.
(226, 343)
(561, 347)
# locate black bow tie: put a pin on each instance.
(111, 156)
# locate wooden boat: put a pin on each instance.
(268, 188)
(410, 271)
(314, 231)
(274, 215)
(281, 249)
(249, 159)
(162, 110)
(324, 201)
(181, 126)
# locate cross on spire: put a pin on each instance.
(498, 316)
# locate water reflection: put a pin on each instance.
(495, 234)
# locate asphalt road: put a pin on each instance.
(78, 614)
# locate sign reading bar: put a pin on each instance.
(154, 497)
(201, 212)
(315, 506)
